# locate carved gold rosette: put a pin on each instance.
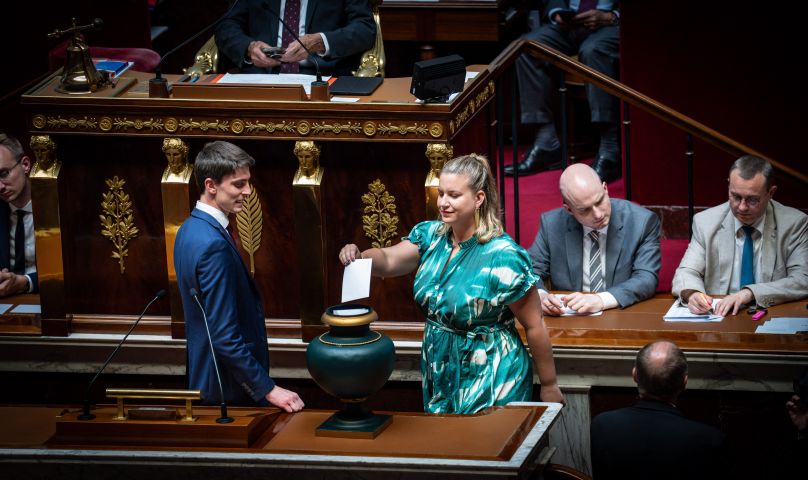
(250, 223)
(380, 225)
(118, 222)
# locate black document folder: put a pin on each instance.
(360, 86)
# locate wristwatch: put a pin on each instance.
(615, 19)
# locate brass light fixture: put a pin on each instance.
(79, 74)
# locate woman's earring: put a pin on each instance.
(477, 218)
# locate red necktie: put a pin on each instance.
(231, 232)
(291, 15)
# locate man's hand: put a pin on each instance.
(550, 304)
(258, 57)
(551, 393)
(592, 20)
(583, 303)
(696, 304)
(734, 302)
(11, 283)
(285, 399)
(798, 412)
(295, 53)
(564, 25)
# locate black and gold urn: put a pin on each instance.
(351, 362)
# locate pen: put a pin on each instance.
(196, 77)
(712, 312)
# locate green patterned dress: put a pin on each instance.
(472, 356)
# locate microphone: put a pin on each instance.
(225, 418)
(87, 415)
(158, 86)
(319, 82)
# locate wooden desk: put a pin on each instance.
(15, 323)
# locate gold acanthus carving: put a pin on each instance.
(204, 125)
(271, 127)
(402, 129)
(472, 106)
(138, 124)
(380, 225)
(118, 222)
(336, 128)
(250, 223)
(88, 123)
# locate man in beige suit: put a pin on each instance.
(752, 248)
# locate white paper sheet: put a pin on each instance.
(783, 325)
(356, 280)
(568, 312)
(680, 313)
(27, 309)
(350, 312)
(5, 306)
(345, 99)
(268, 79)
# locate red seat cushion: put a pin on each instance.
(145, 60)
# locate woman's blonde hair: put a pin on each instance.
(476, 169)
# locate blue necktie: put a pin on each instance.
(747, 261)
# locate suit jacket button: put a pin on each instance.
(258, 308)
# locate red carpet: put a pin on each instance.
(539, 193)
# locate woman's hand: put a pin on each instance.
(349, 253)
(552, 393)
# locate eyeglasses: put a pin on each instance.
(750, 202)
(5, 173)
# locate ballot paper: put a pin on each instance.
(784, 325)
(568, 312)
(268, 79)
(5, 306)
(27, 309)
(680, 313)
(356, 280)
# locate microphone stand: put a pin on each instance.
(158, 86)
(225, 418)
(87, 415)
(320, 91)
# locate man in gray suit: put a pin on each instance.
(751, 247)
(595, 245)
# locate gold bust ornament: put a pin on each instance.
(177, 155)
(438, 154)
(308, 154)
(44, 149)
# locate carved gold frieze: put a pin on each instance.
(171, 125)
(138, 124)
(87, 123)
(482, 96)
(271, 127)
(336, 128)
(369, 129)
(204, 125)
(380, 225)
(237, 126)
(451, 126)
(402, 129)
(39, 122)
(491, 86)
(462, 116)
(118, 222)
(250, 223)
(47, 165)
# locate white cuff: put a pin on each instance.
(327, 51)
(541, 290)
(551, 14)
(30, 284)
(608, 300)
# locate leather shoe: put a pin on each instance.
(537, 160)
(608, 170)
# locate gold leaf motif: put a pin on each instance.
(204, 125)
(118, 221)
(491, 86)
(250, 222)
(381, 225)
(336, 128)
(87, 123)
(138, 124)
(269, 127)
(390, 129)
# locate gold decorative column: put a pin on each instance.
(176, 209)
(437, 154)
(45, 192)
(312, 271)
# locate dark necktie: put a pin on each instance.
(586, 5)
(595, 270)
(232, 233)
(747, 260)
(19, 244)
(291, 15)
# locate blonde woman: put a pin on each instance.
(471, 280)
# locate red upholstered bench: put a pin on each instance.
(145, 60)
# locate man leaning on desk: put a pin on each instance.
(751, 247)
(338, 31)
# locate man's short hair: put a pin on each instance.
(749, 166)
(664, 381)
(217, 160)
(13, 146)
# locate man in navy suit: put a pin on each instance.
(653, 439)
(206, 259)
(17, 250)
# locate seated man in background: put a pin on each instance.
(653, 439)
(17, 250)
(592, 34)
(337, 31)
(595, 244)
(751, 247)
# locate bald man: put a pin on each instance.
(604, 250)
(653, 439)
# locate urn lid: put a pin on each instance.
(349, 315)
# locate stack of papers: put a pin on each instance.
(270, 79)
(568, 312)
(680, 313)
(784, 325)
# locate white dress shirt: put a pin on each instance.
(215, 213)
(30, 242)
(608, 299)
(740, 238)
(304, 4)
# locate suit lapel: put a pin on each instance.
(575, 252)
(212, 221)
(310, 14)
(726, 251)
(5, 242)
(614, 245)
(768, 245)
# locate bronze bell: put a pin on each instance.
(79, 74)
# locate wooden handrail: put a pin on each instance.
(633, 97)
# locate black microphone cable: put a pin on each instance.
(225, 418)
(319, 81)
